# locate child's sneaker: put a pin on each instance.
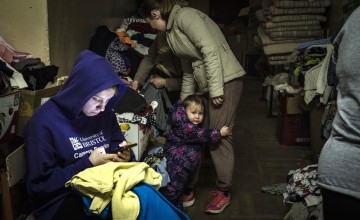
(220, 201)
(189, 199)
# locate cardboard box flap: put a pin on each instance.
(31, 100)
(16, 165)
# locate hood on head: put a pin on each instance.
(90, 75)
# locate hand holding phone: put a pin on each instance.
(124, 148)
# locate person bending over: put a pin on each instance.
(160, 59)
(209, 68)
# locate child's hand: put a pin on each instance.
(225, 131)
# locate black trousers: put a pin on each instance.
(73, 209)
(339, 206)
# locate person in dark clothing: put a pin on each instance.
(339, 160)
(184, 140)
(74, 130)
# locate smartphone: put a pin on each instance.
(123, 148)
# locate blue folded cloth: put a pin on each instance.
(154, 206)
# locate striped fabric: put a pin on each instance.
(283, 24)
(286, 18)
(281, 39)
(280, 57)
(270, 24)
(273, 10)
(278, 62)
(293, 28)
(296, 34)
(280, 48)
(302, 4)
(265, 39)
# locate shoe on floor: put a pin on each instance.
(189, 199)
(219, 202)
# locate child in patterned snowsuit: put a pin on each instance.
(183, 144)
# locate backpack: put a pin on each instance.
(152, 94)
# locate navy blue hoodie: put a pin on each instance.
(59, 138)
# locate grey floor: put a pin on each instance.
(260, 161)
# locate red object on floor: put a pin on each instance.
(292, 129)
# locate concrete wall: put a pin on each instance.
(57, 30)
(202, 5)
(24, 25)
(73, 22)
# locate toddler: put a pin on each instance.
(183, 144)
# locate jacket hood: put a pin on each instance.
(90, 75)
(177, 114)
(170, 21)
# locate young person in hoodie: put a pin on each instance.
(74, 130)
(209, 68)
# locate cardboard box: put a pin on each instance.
(290, 104)
(294, 130)
(9, 109)
(31, 100)
(134, 133)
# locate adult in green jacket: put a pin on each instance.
(209, 68)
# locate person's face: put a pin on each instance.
(195, 113)
(155, 21)
(97, 103)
